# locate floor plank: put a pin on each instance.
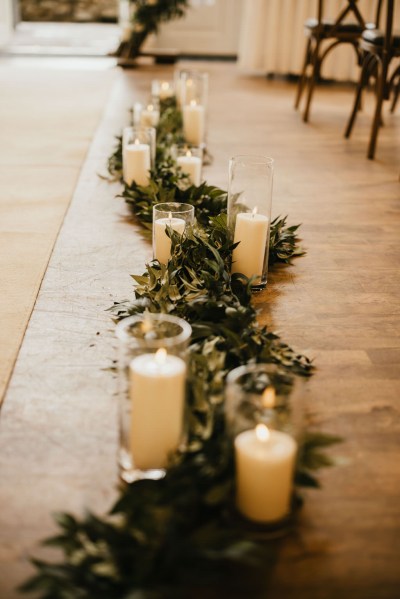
(40, 156)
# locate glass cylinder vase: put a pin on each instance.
(263, 410)
(167, 215)
(249, 215)
(150, 113)
(152, 392)
(162, 89)
(138, 154)
(193, 100)
(186, 82)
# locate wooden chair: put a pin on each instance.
(395, 86)
(379, 49)
(319, 30)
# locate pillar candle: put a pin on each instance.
(166, 90)
(162, 243)
(194, 123)
(251, 230)
(136, 163)
(264, 473)
(157, 392)
(149, 117)
(191, 165)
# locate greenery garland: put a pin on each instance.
(181, 536)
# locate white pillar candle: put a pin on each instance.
(251, 229)
(149, 117)
(162, 243)
(191, 165)
(194, 123)
(157, 392)
(166, 90)
(264, 473)
(136, 163)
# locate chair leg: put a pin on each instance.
(378, 108)
(303, 77)
(313, 78)
(395, 97)
(362, 82)
(396, 88)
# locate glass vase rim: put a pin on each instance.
(193, 73)
(252, 159)
(121, 330)
(234, 375)
(140, 128)
(186, 146)
(184, 208)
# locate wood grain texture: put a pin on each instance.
(340, 304)
(40, 157)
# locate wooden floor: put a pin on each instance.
(340, 304)
(38, 173)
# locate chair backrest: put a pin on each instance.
(378, 13)
(350, 8)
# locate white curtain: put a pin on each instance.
(272, 37)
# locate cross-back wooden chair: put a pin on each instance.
(379, 49)
(336, 31)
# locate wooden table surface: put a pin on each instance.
(339, 304)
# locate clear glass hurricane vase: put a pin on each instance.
(249, 215)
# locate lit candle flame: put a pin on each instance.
(193, 103)
(170, 215)
(262, 433)
(165, 85)
(268, 398)
(255, 210)
(137, 142)
(150, 107)
(146, 325)
(188, 153)
(160, 355)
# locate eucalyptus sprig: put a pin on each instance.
(283, 242)
(114, 162)
(196, 285)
